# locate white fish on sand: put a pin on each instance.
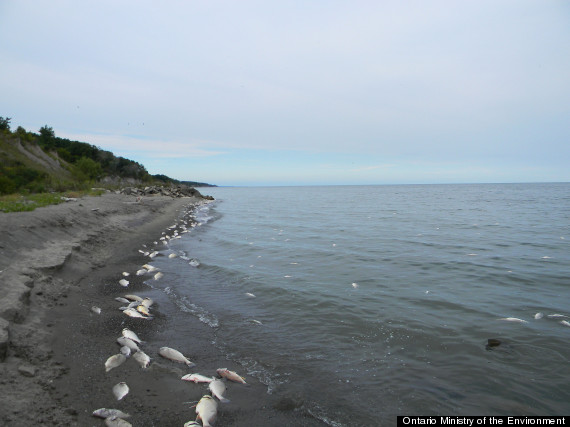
(147, 302)
(192, 424)
(142, 358)
(218, 389)
(131, 312)
(142, 309)
(132, 297)
(513, 319)
(117, 422)
(158, 276)
(124, 282)
(127, 333)
(107, 413)
(538, 316)
(126, 351)
(174, 355)
(150, 268)
(120, 390)
(153, 254)
(126, 274)
(96, 309)
(197, 378)
(123, 341)
(231, 375)
(141, 272)
(207, 410)
(122, 300)
(114, 361)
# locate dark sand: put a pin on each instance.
(55, 264)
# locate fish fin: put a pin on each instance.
(224, 400)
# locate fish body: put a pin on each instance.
(132, 297)
(172, 256)
(116, 422)
(125, 274)
(565, 322)
(174, 355)
(107, 413)
(124, 282)
(115, 361)
(123, 341)
(131, 312)
(513, 319)
(122, 300)
(141, 272)
(127, 333)
(142, 309)
(120, 390)
(192, 424)
(197, 378)
(207, 410)
(249, 294)
(218, 389)
(147, 302)
(158, 276)
(556, 316)
(96, 309)
(230, 375)
(538, 316)
(150, 268)
(142, 358)
(126, 351)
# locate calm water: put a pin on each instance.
(377, 301)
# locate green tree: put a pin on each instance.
(47, 135)
(89, 167)
(5, 123)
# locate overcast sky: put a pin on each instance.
(299, 92)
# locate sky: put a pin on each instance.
(310, 92)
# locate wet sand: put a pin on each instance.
(58, 262)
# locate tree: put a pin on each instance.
(46, 135)
(89, 167)
(5, 123)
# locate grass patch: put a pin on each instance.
(29, 202)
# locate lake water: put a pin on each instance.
(369, 302)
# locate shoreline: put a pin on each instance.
(59, 261)
(49, 260)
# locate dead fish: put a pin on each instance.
(142, 309)
(132, 297)
(172, 256)
(131, 312)
(513, 319)
(538, 316)
(96, 309)
(230, 375)
(249, 294)
(114, 361)
(556, 316)
(126, 274)
(192, 424)
(107, 413)
(120, 390)
(141, 272)
(565, 322)
(150, 268)
(124, 282)
(122, 300)
(123, 341)
(218, 389)
(158, 275)
(197, 378)
(127, 333)
(117, 422)
(125, 350)
(207, 410)
(142, 358)
(153, 254)
(174, 355)
(147, 302)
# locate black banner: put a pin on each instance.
(408, 421)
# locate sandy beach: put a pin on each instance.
(56, 263)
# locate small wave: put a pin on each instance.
(203, 315)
